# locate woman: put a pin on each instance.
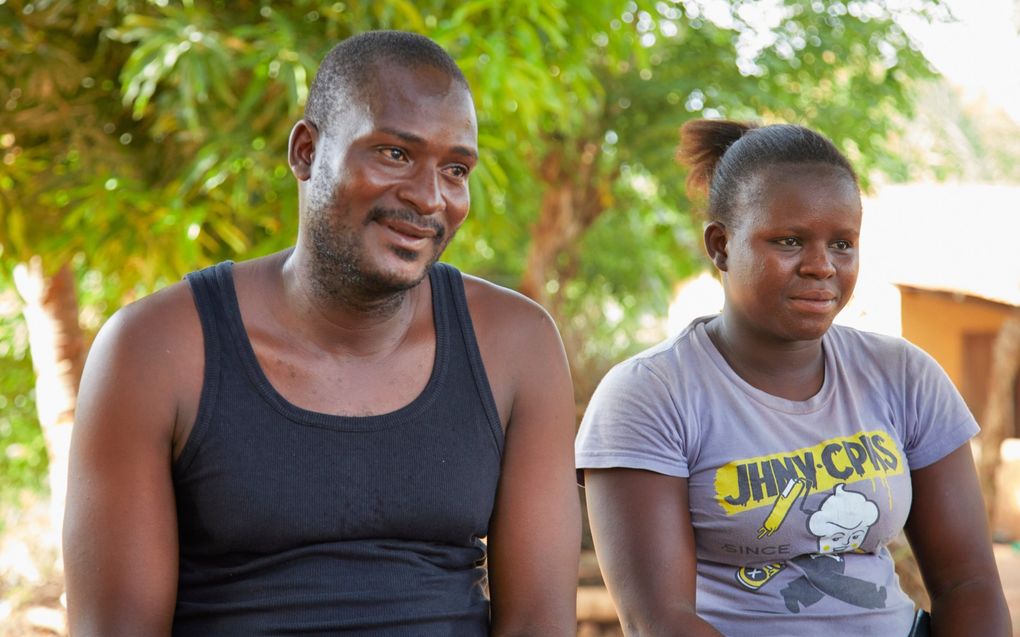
(744, 477)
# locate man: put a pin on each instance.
(317, 441)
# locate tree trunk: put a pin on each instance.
(998, 421)
(574, 197)
(58, 354)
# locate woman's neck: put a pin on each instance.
(794, 370)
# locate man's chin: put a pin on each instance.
(404, 276)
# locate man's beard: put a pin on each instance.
(339, 269)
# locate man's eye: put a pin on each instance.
(789, 242)
(458, 171)
(395, 154)
(842, 245)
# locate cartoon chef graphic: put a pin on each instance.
(840, 524)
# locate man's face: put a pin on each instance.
(388, 187)
(792, 253)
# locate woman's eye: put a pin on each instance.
(842, 245)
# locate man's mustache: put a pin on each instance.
(407, 216)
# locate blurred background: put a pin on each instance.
(140, 140)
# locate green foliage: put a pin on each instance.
(23, 454)
(143, 139)
(952, 139)
(152, 135)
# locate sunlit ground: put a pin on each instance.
(31, 582)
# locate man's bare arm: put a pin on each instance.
(535, 532)
(120, 530)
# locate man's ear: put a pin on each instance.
(301, 149)
(716, 239)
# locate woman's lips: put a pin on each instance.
(814, 300)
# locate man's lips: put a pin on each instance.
(409, 229)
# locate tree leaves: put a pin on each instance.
(156, 132)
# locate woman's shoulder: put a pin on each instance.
(885, 348)
(845, 334)
(881, 354)
(671, 356)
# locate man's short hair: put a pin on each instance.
(353, 65)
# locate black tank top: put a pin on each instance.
(293, 522)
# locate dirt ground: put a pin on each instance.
(31, 581)
(1008, 558)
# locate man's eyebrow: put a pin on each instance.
(411, 138)
(404, 135)
(465, 151)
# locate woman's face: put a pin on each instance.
(790, 256)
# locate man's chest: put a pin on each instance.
(347, 385)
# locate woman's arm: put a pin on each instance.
(641, 526)
(948, 530)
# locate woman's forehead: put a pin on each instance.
(796, 190)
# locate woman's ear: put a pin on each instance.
(716, 239)
(301, 149)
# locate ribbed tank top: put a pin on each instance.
(293, 522)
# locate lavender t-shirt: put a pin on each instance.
(792, 502)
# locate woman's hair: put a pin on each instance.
(723, 155)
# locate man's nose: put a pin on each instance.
(423, 191)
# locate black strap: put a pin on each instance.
(922, 624)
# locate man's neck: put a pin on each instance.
(348, 320)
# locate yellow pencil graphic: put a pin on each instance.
(794, 488)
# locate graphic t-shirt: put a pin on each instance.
(792, 502)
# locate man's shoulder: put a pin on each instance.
(157, 313)
(495, 307)
(156, 325)
(145, 359)
(516, 336)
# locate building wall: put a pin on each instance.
(958, 331)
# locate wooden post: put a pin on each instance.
(999, 417)
(58, 355)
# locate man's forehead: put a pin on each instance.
(387, 77)
(410, 100)
(406, 94)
